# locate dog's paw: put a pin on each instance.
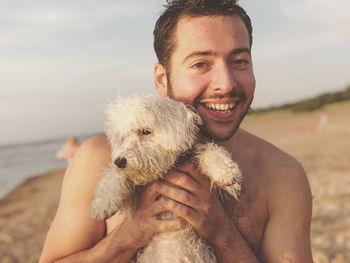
(216, 163)
(99, 211)
(112, 194)
(233, 189)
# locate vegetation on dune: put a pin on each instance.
(309, 104)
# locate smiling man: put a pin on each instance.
(203, 48)
(211, 68)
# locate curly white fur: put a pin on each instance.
(148, 134)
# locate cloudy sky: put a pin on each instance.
(61, 61)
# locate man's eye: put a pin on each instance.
(199, 65)
(144, 132)
(240, 61)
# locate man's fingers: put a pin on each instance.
(158, 208)
(181, 179)
(191, 170)
(149, 193)
(176, 194)
(180, 210)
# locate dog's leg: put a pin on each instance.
(215, 162)
(112, 194)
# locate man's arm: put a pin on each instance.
(75, 237)
(287, 233)
(73, 231)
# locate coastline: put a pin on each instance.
(26, 214)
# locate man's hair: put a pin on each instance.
(164, 30)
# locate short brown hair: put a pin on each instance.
(175, 9)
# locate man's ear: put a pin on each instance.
(160, 80)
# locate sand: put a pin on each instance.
(25, 217)
(26, 213)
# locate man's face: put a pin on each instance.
(211, 69)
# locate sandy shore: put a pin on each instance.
(26, 213)
(25, 217)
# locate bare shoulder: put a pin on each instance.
(285, 188)
(272, 161)
(97, 143)
(95, 149)
(73, 229)
(92, 156)
(279, 173)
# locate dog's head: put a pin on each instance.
(148, 133)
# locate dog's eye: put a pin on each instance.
(145, 132)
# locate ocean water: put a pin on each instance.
(23, 161)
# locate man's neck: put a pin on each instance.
(226, 143)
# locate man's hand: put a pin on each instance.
(145, 223)
(187, 194)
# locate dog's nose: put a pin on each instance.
(120, 162)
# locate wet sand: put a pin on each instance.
(26, 213)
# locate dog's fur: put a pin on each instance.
(151, 134)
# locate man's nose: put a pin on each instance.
(223, 79)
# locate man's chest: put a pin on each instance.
(250, 214)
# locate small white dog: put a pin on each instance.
(148, 135)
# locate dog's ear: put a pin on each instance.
(179, 126)
(193, 115)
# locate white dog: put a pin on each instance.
(148, 136)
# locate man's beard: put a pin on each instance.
(205, 129)
(215, 135)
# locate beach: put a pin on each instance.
(26, 212)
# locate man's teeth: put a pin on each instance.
(220, 107)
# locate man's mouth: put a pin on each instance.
(222, 108)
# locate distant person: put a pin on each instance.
(324, 121)
(204, 59)
(68, 150)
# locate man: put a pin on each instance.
(204, 56)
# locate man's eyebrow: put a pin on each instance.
(211, 53)
(240, 50)
(198, 53)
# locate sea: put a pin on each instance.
(19, 162)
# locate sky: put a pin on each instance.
(62, 61)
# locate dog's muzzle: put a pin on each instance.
(120, 162)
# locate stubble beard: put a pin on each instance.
(209, 131)
(214, 131)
